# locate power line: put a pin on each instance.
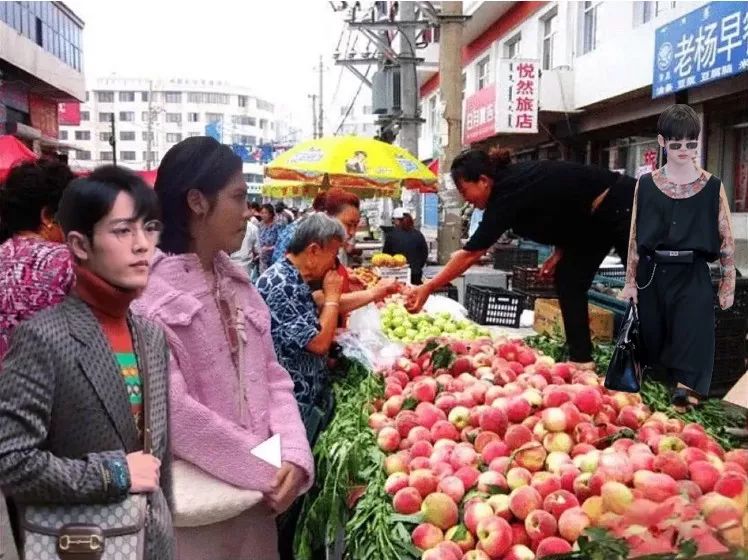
(353, 102)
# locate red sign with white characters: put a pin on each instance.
(480, 115)
(69, 113)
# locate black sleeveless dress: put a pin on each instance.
(676, 301)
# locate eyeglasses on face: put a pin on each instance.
(675, 146)
(126, 230)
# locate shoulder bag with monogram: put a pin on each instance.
(91, 531)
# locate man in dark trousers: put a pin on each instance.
(404, 239)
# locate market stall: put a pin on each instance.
(13, 152)
(450, 443)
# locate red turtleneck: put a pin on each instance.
(110, 305)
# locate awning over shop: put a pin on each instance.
(13, 152)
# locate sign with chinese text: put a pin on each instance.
(43, 115)
(702, 46)
(69, 113)
(480, 115)
(517, 106)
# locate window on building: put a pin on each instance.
(193, 117)
(82, 134)
(662, 7)
(513, 47)
(83, 155)
(154, 156)
(105, 117)
(643, 12)
(127, 116)
(265, 105)
(213, 117)
(590, 29)
(549, 27)
(127, 135)
(205, 97)
(243, 120)
(106, 156)
(147, 135)
(127, 155)
(127, 96)
(263, 123)
(174, 117)
(433, 116)
(483, 73)
(144, 96)
(105, 96)
(243, 101)
(193, 134)
(173, 96)
(105, 136)
(88, 96)
(173, 137)
(85, 116)
(464, 84)
(63, 135)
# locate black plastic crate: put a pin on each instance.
(529, 281)
(506, 258)
(449, 291)
(487, 305)
(615, 271)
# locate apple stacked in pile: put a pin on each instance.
(499, 457)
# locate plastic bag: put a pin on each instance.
(365, 328)
(441, 304)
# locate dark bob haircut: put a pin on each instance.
(678, 122)
(87, 201)
(471, 164)
(269, 207)
(199, 163)
(29, 189)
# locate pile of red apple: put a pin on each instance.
(505, 456)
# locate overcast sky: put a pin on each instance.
(271, 46)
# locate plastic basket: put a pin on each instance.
(529, 281)
(604, 300)
(506, 258)
(487, 305)
(449, 291)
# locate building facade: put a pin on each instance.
(41, 63)
(149, 116)
(606, 72)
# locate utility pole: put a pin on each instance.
(450, 90)
(408, 136)
(313, 97)
(321, 119)
(149, 139)
(113, 141)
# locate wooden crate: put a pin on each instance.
(548, 320)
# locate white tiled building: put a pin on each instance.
(168, 111)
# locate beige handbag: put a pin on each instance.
(200, 498)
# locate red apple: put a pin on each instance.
(540, 524)
(495, 536)
(427, 536)
(523, 500)
(407, 501)
(439, 510)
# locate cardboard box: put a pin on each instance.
(548, 320)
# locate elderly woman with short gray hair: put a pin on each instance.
(302, 334)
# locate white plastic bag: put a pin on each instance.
(365, 326)
(441, 304)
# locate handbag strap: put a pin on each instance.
(142, 360)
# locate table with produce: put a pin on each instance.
(459, 443)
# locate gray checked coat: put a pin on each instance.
(64, 409)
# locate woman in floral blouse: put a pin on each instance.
(269, 230)
(681, 221)
(36, 271)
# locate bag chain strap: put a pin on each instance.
(651, 278)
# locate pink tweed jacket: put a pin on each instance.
(216, 418)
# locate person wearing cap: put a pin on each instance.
(408, 241)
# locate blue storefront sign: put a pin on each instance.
(707, 44)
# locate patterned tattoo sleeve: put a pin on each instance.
(727, 253)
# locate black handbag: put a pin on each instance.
(625, 370)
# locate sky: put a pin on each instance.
(271, 46)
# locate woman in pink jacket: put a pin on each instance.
(228, 392)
